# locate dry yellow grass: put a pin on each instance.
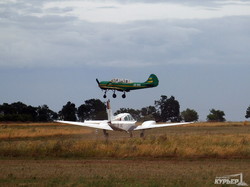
(23, 133)
(229, 140)
(218, 124)
(190, 155)
(29, 130)
(29, 124)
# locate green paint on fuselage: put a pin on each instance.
(122, 86)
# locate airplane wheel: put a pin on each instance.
(104, 96)
(142, 134)
(114, 95)
(123, 96)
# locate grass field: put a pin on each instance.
(51, 154)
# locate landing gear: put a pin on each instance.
(130, 134)
(114, 94)
(106, 135)
(105, 96)
(142, 134)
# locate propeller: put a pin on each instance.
(97, 81)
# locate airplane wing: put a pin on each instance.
(120, 89)
(93, 124)
(152, 124)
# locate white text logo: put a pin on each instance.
(236, 179)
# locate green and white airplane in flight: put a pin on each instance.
(125, 85)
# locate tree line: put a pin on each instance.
(164, 109)
(19, 111)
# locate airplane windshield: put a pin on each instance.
(129, 118)
(121, 80)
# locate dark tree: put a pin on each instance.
(148, 110)
(83, 112)
(168, 109)
(6, 112)
(93, 109)
(17, 112)
(32, 112)
(248, 112)
(68, 112)
(7, 109)
(148, 113)
(45, 114)
(216, 116)
(189, 115)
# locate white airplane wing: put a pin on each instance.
(152, 124)
(93, 124)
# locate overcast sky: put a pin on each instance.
(52, 51)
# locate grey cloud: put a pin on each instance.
(53, 41)
(59, 10)
(107, 7)
(224, 40)
(206, 3)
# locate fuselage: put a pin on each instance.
(123, 125)
(120, 122)
(123, 122)
(124, 86)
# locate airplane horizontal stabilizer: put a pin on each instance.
(101, 125)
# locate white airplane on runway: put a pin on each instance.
(121, 122)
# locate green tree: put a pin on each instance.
(189, 115)
(93, 109)
(168, 109)
(248, 112)
(216, 116)
(68, 112)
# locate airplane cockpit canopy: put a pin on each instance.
(124, 117)
(128, 118)
(121, 81)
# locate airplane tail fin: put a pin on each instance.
(109, 111)
(153, 80)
